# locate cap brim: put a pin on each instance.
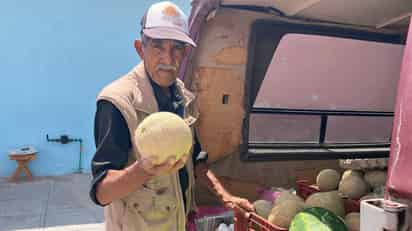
(168, 33)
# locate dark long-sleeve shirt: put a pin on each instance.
(112, 138)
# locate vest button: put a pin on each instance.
(135, 205)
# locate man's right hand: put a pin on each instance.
(169, 166)
(119, 183)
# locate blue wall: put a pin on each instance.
(55, 56)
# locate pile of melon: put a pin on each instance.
(359, 185)
(353, 184)
(281, 211)
(289, 210)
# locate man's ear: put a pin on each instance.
(138, 45)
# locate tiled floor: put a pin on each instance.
(49, 204)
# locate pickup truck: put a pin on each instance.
(288, 88)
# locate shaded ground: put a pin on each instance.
(49, 204)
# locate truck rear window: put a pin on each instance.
(320, 89)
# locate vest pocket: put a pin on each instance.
(163, 208)
(154, 202)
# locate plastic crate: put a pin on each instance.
(212, 222)
(304, 190)
(204, 212)
(252, 222)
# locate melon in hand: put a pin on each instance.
(162, 136)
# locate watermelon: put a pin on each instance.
(317, 219)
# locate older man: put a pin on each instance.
(136, 194)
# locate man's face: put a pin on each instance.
(162, 58)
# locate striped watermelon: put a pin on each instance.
(319, 219)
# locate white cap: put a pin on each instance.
(164, 20)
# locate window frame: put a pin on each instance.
(306, 150)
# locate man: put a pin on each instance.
(136, 194)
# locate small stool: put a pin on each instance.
(22, 161)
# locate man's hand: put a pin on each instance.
(120, 183)
(180, 163)
(237, 203)
(206, 177)
(169, 166)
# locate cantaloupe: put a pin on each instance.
(328, 200)
(286, 195)
(263, 208)
(352, 221)
(378, 192)
(328, 180)
(283, 213)
(351, 173)
(353, 187)
(382, 163)
(163, 135)
(375, 178)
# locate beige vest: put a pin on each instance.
(159, 205)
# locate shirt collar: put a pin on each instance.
(173, 103)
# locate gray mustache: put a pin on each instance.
(165, 67)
